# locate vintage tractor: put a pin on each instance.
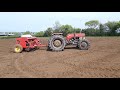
(56, 42)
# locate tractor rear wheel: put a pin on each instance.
(18, 48)
(84, 45)
(56, 43)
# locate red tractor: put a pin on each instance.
(56, 42)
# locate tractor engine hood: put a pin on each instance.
(76, 35)
(70, 36)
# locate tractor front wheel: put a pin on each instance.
(84, 45)
(18, 48)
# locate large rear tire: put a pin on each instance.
(56, 43)
(84, 45)
(18, 48)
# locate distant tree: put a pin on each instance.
(66, 29)
(77, 30)
(48, 32)
(90, 32)
(92, 24)
(112, 26)
(101, 29)
(39, 34)
(27, 32)
(94, 28)
(118, 24)
(57, 26)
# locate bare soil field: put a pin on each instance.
(102, 60)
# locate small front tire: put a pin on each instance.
(18, 48)
(84, 45)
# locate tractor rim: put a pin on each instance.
(17, 49)
(83, 44)
(57, 43)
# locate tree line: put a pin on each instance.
(93, 28)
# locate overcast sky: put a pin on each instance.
(40, 21)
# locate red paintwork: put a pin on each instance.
(70, 36)
(33, 41)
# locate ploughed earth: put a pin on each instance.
(102, 60)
